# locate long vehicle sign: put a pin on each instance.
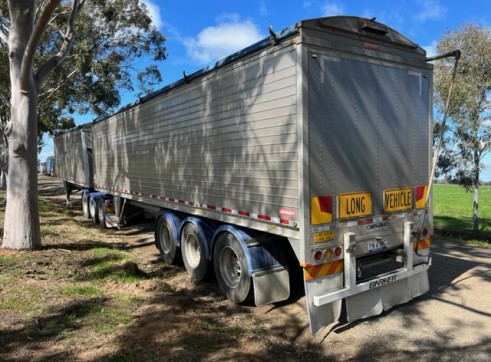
(354, 205)
(398, 199)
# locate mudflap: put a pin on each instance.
(112, 221)
(374, 301)
(321, 316)
(271, 286)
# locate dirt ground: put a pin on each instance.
(177, 319)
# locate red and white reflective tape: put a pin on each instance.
(224, 210)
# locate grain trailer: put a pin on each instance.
(313, 145)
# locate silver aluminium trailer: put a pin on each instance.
(74, 163)
(312, 145)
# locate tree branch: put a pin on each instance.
(48, 67)
(49, 92)
(28, 58)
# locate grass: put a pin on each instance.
(112, 264)
(24, 299)
(81, 288)
(69, 285)
(452, 214)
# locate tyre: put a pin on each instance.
(166, 240)
(85, 205)
(194, 252)
(101, 213)
(93, 209)
(231, 269)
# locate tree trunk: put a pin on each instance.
(475, 213)
(21, 227)
(475, 209)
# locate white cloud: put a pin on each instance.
(154, 13)
(430, 10)
(307, 4)
(216, 42)
(263, 10)
(332, 9)
(431, 49)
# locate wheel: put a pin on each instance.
(193, 249)
(101, 213)
(165, 238)
(85, 205)
(231, 269)
(93, 209)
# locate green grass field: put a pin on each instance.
(452, 211)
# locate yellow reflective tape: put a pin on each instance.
(422, 244)
(321, 270)
(421, 199)
(317, 214)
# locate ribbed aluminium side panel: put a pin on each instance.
(69, 157)
(228, 139)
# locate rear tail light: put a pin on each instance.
(338, 251)
(324, 255)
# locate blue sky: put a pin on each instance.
(202, 32)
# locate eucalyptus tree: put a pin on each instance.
(469, 129)
(64, 57)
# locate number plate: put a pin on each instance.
(377, 245)
(354, 205)
(398, 199)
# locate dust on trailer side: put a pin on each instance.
(312, 145)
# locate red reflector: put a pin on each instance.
(226, 209)
(264, 217)
(318, 255)
(420, 192)
(243, 213)
(325, 204)
(365, 221)
(338, 251)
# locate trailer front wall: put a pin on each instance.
(227, 141)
